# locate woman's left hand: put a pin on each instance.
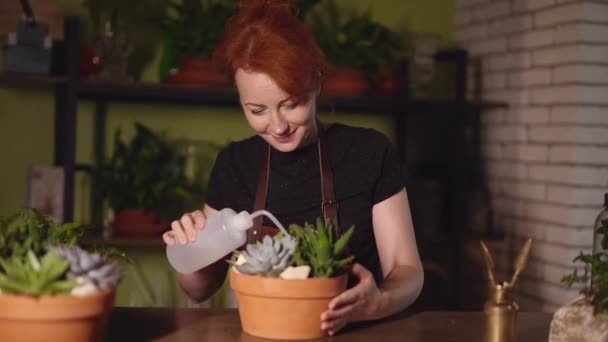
(359, 303)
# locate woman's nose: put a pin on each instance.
(279, 125)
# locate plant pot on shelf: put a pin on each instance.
(55, 318)
(389, 84)
(138, 223)
(345, 81)
(287, 309)
(198, 71)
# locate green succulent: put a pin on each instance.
(103, 272)
(29, 275)
(320, 249)
(269, 257)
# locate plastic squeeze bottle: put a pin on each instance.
(223, 233)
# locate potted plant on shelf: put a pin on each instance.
(142, 182)
(586, 318)
(193, 29)
(51, 289)
(359, 50)
(284, 283)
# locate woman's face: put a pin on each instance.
(273, 114)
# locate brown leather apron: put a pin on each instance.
(329, 204)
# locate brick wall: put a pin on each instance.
(546, 157)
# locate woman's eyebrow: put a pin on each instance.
(254, 104)
(261, 105)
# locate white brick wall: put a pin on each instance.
(546, 157)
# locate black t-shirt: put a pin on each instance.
(367, 170)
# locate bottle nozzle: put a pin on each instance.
(271, 217)
(241, 221)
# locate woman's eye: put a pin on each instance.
(257, 111)
(290, 105)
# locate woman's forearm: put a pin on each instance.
(400, 289)
(202, 284)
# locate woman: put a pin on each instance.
(278, 70)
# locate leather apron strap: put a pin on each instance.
(329, 204)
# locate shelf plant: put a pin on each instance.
(142, 181)
(48, 282)
(193, 29)
(586, 318)
(289, 280)
(359, 49)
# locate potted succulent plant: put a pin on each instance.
(284, 283)
(51, 289)
(586, 318)
(193, 29)
(142, 181)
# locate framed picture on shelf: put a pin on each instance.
(45, 190)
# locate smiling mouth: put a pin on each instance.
(284, 138)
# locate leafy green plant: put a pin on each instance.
(594, 278)
(355, 40)
(28, 275)
(39, 257)
(196, 26)
(147, 173)
(320, 249)
(30, 230)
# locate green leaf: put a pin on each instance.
(342, 242)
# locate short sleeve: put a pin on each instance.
(390, 179)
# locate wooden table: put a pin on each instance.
(161, 324)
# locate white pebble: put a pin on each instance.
(299, 272)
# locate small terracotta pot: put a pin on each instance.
(345, 81)
(288, 309)
(199, 71)
(55, 318)
(137, 223)
(389, 84)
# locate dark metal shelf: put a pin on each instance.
(166, 93)
(192, 94)
(15, 78)
(154, 92)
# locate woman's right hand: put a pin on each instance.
(186, 228)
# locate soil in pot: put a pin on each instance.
(284, 308)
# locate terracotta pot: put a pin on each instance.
(389, 84)
(55, 318)
(137, 223)
(345, 81)
(199, 71)
(284, 308)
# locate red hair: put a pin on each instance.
(265, 36)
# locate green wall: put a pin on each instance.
(26, 114)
